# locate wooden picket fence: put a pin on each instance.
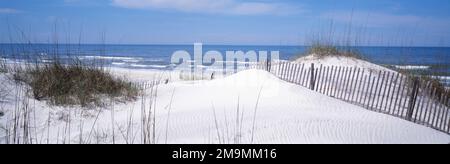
(148, 84)
(389, 92)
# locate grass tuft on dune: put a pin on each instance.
(74, 84)
(2, 65)
(325, 50)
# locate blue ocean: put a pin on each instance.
(434, 59)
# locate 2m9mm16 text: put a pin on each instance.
(246, 154)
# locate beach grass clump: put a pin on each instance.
(429, 78)
(3, 68)
(324, 50)
(3, 88)
(437, 84)
(75, 84)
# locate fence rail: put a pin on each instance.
(389, 92)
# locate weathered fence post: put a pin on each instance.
(312, 77)
(448, 110)
(268, 65)
(413, 98)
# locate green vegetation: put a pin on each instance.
(323, 50)
(74, 84)
(3, 66)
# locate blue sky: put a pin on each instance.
(250, 22)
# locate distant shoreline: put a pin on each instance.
(434, 59)
(237, 45)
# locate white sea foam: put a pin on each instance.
(411, 67)
(118, 63)
(15, 61)
(47, 61)
(444, 79)
(154, 60)
(111, 58)
(148, 66)
(131, 60)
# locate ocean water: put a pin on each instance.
(432, 59)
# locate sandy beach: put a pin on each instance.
(249, 107)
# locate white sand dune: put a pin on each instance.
(226, 111)
(286, 113)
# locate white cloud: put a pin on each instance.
(9, 11)
(209, 6)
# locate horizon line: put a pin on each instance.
(185, 44)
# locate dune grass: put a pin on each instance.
(3, 68)
(4, 91)
(428, 77)
(326, 50)
(74, 84)
(437, 84)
